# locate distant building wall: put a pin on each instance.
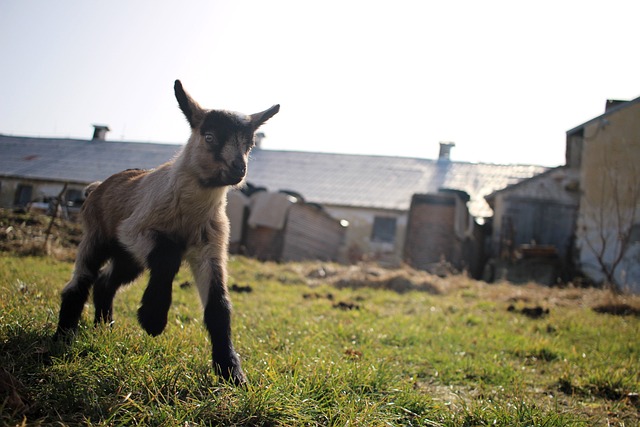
(540, 210)
(364, 241)
(610, 196)
(17, 192)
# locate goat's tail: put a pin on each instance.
(89, 188)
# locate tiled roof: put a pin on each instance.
(383, 182)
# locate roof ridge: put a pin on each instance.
(607, 113)
(425, 159)
(89, 141)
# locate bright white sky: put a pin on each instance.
(504, 80)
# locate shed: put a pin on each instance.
(282, 227)
(441, 230)
(540, 211)
(533, 228)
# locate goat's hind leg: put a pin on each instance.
(123, 269)
(90, 258)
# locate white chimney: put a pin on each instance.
(445, 151)
(258, 137)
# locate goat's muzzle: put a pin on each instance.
(237, 169)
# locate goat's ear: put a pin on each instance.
(258, 119)
(190, 108)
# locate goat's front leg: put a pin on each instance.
(163, 261)
(210, 275)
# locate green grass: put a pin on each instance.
(411, 359)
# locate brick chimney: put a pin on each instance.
(100, 132)
(445, 151)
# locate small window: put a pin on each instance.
(634, 234)
(22, 195)
(384, 230)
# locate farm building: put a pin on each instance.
(538, 222)
(583, 216)
(34, 169)
(282, 227)
(533, 228)
(442, 233)
(372, 193)
(605, 152)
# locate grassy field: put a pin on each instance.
(325, 345)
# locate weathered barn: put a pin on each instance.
(583, 217)
(37, 168)
(283, 227)
(533, 228)
(440, 231)
(605, 152)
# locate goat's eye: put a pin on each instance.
(208, 137)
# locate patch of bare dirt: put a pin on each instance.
(371, 275)
(531, 299)
(602, 301)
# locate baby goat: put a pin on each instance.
(152, 219)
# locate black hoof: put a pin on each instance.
(153, 322)
(64, 335)
(230, 370)
(103, 318)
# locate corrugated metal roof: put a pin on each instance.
(73, 160)
(379, 181)
(383, 182)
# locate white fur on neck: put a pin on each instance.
(171, 201)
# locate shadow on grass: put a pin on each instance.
(37, 384)
(47, 382)
(24, 357)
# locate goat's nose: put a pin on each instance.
(239, 167)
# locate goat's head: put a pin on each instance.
(220, 140)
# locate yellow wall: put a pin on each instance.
(610, 185)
